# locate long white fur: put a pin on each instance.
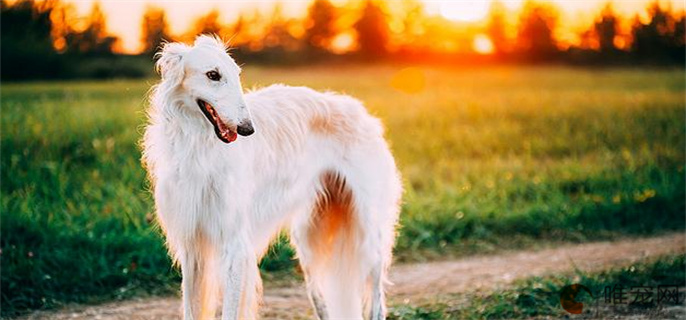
(221, 204)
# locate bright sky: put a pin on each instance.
(124, 16)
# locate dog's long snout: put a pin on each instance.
(245, 128)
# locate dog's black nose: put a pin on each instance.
(245, 129)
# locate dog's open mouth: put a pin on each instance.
(224, 133)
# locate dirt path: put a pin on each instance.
(416, 282)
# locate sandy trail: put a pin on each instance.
(416, 282)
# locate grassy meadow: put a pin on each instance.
(491, 158)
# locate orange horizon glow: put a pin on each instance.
(124, 17)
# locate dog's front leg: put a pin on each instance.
(233, 288)
(190, 269)
(241, 282)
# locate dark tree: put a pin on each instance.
(679, 34)
(277, 36)
(94, 40)
(372, 30)
(661, 39)
(207, 24)
(536, 26)
(320, 24)
(605, 29)
(27, 49)
(155, 29)
(236, 32)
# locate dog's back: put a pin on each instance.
(300, 111)
(345, 234)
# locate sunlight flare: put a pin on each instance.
(482, 44)
(410, 80)
(465, 11)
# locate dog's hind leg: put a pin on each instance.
(378, 299)
(299, 239)
(310, 267)
(316, 298)
(378, 246)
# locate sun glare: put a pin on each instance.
(482, 44)
(465, 11)
(342, 43)
(409, 80)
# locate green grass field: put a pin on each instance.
(491, 158)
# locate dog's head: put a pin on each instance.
(206, 80)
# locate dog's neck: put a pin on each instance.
(184, 126)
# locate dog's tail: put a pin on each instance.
(343, 286)
(352, 285)
(344, 257)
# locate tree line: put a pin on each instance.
(42, 39)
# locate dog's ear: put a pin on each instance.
(169, 63)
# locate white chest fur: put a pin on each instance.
(194, 188)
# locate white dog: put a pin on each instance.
(317, 164)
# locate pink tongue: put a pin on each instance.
(230, 135)
(225, 132)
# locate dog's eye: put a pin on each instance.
(213, 75)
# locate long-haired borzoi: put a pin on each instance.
(315, 163)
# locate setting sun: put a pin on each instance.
(465, 11)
